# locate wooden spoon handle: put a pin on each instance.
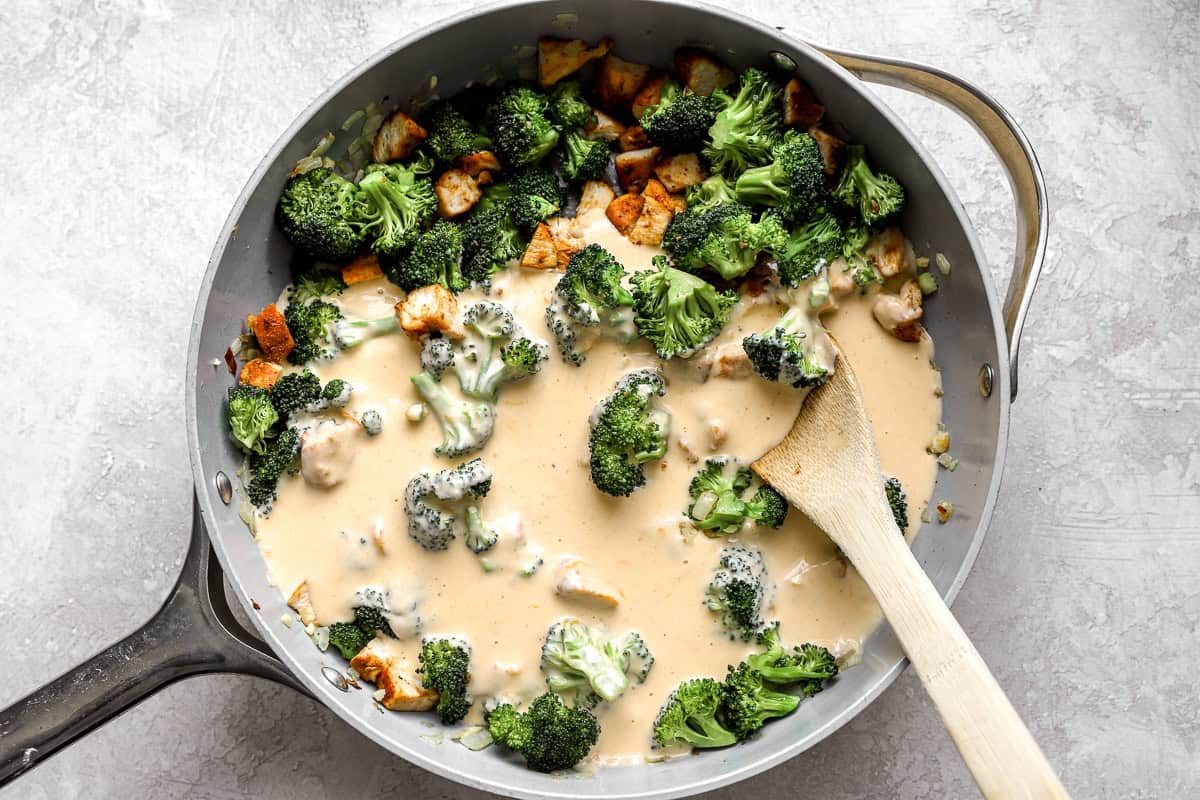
(994, 742)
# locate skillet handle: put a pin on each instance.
(194, 632)
(1009, 143)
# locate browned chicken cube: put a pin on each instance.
(800, 106)
(624, 211)
(648, 95)
(619, 81)
(271, 331)
(558, 58)
(652, 222)
(635, 167)
(479, 161)
(398, 137)
(457, 193)
(595, 195)
(429, 309)
(604, 127)
(700, 72)
(832, 149)
(260, 372)
(362, 269)
(633, 138)
(541, 253)
(680, 171)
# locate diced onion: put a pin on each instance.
(927, 283)
(943, 263)
(704, 505)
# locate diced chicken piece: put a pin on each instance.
(327, 452)
(623, 212)
(655, 189)
(540, 254)
(558, 58)
(716, 434)
(700, 72)
(402, 689)
(891, 253)
(576, 580)
(648, 95)
(398, 137)
(652, 222)
(480, 161)
(457, 193)
(800, 106)
(301, 603)
(260, 372)
(832, 149)
(605, 127)
(900, 314)
(271, 331)
(635, 167)
(841, 282)
(633, 138)
(429, 309)
(619, 81)
(595, 195)
(566, 243)
(689, 452)
(362, 269)
(727, 360)
(680, 171)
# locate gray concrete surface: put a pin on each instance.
(129, 127)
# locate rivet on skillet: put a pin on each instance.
(783, 61)
(986, 378)
(224, 487)
(336, 678)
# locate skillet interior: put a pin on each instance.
(247, 271)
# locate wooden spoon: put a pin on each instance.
(827, 467)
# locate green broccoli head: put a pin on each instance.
(713, 191)
(739, 591)
(767, 507)
(311, 325)
(897, 502)
(252, 417)
(492, 352)
(584, 159)
(490, 240)
(467, 423)
(445, 668)
(785, 353)
(295, 391)
(434, 502)
(629, 429)
(577, 659)
(716, 491)
(678, 312)
(451, 134)
(268, 467)
(747, 703)
(680, 120)
(348, 638)
(724, 238)
(520, 126)
(748, 125)
(690, 716)
(876, 196)
(398, 203)
(336, 393)
(806, 667)
(568, 107)
(530, 195)
(318, 212)
(435, 258)
(550, 734)
(588, 300)
(373, 619)
(315, 282)
(810, 246)
(794, 181)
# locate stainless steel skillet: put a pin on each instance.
(977, 339)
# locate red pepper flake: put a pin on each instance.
(230, 361)
(254, 603)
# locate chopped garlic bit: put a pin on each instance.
(940, 442)
(415, 412)
(945, 510)
(922, 262)
(286, 619)
(943, 263)
(946, 461)
(378, 695)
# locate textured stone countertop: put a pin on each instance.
(131, 125)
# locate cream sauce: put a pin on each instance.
(354, 534)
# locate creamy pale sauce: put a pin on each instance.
(353, 534)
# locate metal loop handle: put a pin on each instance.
(1009, 143)
(193, 633)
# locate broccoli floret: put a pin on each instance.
(490, 240)
(863, 273)
(267, 468)
(876, 196)
(680, 120)
(568, 107)
(492, 353)
(808, 665)
(314, 283)
(399, 202)
(589, 300)
(577, 659)
(690, 716)
(551, 735)
(466, 423)
(810, 247)
(252, 417)
(897, 501)
(738, 591)
(452, 136)
(445, 665)
(349, 333)
(434, 258)
(529, 196)
(725, 239)
(478, 536)
(767, 508)
(348, 638)
(583, 159)
(318, 212)
(310, 325)
(855, 236)
(437, 356)
(746, 704)
(434, 502)
(678, 312)
(372, 422)
(785, 352)
(373, 619)
(748, 125)
(716, 493)
(713, 191)
(794, 182)
(295, 391)
(629, 429)
(520, 127)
